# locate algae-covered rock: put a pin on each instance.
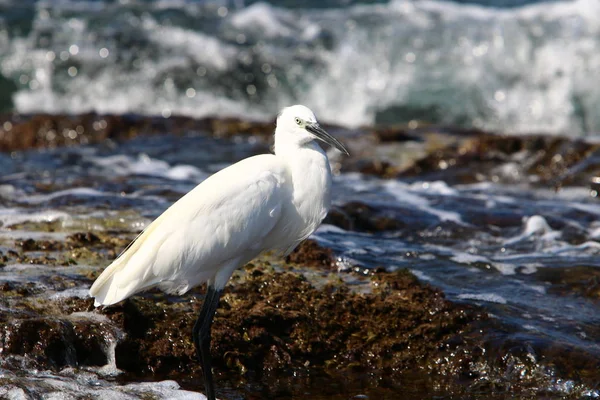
(54, 342)
(310, 253)
(557, 161)
(21, 132)
(358, 216)
(272, 326)
(276, 323)
(39, 245)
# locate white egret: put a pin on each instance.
(265, 202)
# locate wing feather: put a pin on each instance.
(226, 216)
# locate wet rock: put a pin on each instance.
(48, 342)
(469, 156)
(528, 364)
(578, 280)
(39, 245)
(3, 259)
(43, 260)
(450, 154)
(158, 337)
(70, 305)
(228, 127)
(6, 286)
(20, 132)
(310, 253)
(357, 216)
(82, 239)
(380, 168)
(272, 326)
(91, 343)
(277, 323)
(558, 161)
(83, 246)
(11, 254)
(395, 134)
(54, 343)
(96, 247)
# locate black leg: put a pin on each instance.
(201, 337)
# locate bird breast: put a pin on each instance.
(311, 198)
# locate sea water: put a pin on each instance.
(506, 65)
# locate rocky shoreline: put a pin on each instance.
(277, 333)
(553, 160)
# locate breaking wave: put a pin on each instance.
(528, 68)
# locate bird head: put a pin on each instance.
(297, 124)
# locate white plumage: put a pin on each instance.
(261, 203)
(265, 202)
(224, 219)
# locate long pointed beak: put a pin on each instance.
(325, 137)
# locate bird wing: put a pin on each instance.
(225, 217)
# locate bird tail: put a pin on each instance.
(124, 276)
(104, 290)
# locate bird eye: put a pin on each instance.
(298, 121)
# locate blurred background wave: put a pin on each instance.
(506, 65)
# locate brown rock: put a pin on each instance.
(357, 216)
(39, 245)
(54, 343)
(82, 239)
(310, 253)
(52, 130)
(279, 323)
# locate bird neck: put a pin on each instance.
(311, 176)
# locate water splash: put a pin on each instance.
(520, 69)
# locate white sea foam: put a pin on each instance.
(328, 228)
(89, 315)
(515, 69)
(260, 19)
(181, 43)
(8, 191)
(17, 234)
(13, 393)
(435, 187)
(125, 165)
(535, 226)
(505, 268)
(539, 289)
(110, 369)
(78, 292)
(485, 63)
(595, 233)
(587, 207)
(13, 216)
(589, 247)
(530, 268)
(467, 258)
(19, 267)
(421, 275)
(78, 191)
(403, 194)
(57, 387)
(376, 250)
(357, 251)
(489, 297)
